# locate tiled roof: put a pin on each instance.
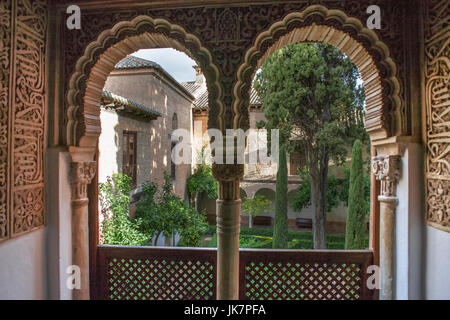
(118, 103)
(200, 92)
(132, 62)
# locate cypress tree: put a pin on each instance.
(280, 231)
(356, 216)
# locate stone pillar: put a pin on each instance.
(228, 227)
(81, 175)
(387, 170)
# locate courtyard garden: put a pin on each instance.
(257, 238)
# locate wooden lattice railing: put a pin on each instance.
(155, 273)
(304, 274)
(158, 273)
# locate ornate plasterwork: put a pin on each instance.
(100, 57)
(387, 170)
(437, 104)
(5, 56)
(362, 45)
(227, 33)
(22, 115)
(82, 174)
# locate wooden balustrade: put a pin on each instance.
(304, 274)
(162, 273)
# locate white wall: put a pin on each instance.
(108, 145)
(23, 273)
(437, 264)
(409, 222)
(59, 224)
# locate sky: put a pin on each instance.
(176, 63)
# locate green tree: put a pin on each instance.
(280, 230)
(254, 206)
(356, 216)
(310, 93)
(201, 181)
(166, 214)
(117, 227)
(302, 197)
(345, 186)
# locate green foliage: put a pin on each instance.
(337, 188)
(168, 214)
(256, 238)
(356, 217)
(202, 180)
(281, 203)
(117, 228)
(302, 197)
(345, 187)
(310, 92)
(256, 205)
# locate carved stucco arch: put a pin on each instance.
(362, 45)
(100, 58)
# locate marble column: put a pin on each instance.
(387, 170)
(81, 176)
(228, 227)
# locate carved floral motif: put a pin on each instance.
(437, 104)
(82, 175)
(228, 31)
(387, 170)
(5, 56)
(22, 115)
(28, 112)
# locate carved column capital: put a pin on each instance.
(387, 170)
(82, 174)
(227, 172)
(229, 176)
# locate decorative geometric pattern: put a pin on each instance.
(5, 56)
(227, 32)
(144, 279)
(437, 104)
(22, 115)
(146, 273)
(302, 281)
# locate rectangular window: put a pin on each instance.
(129, 155)
(297, 160)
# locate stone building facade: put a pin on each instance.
(163, 106)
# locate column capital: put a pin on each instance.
(82, 174)
(227, 172)
(386, 168)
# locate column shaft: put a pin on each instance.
(80, 247)
(387, 238)
(82, 174)
(228, 228)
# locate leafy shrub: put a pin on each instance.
(262, 239)
(202, 180)
(167, 214)
(117, 227)
(254, 206)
